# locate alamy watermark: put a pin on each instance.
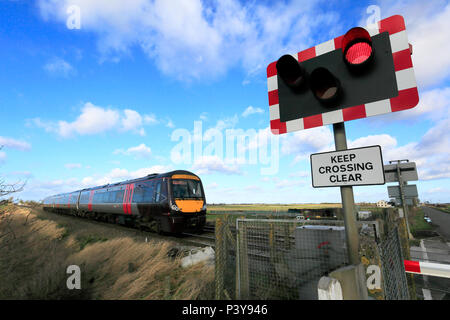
(375, 15)
(226, 148)
(74, 280)
(74, 17)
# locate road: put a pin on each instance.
(437, 250)
(441, 220)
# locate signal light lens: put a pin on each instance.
(290, 70)
(358, 53)
(324, 85)
(357, 46)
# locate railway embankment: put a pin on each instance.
(38, 247)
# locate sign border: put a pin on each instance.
(348, 185)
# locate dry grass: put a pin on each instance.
(36, 251)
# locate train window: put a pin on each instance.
(158, 192)
(111, 196)
(84, 199)
(186, 189)
(98, 197)
(138, 194)
(143, 192)
(119, 196)
(148, 192)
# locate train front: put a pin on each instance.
(188, 203)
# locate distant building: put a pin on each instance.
(383, 204)
(364, 214)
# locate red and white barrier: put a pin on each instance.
(428, 268)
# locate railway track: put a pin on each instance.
(205, 238)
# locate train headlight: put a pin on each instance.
(174, 207)
(204, 207)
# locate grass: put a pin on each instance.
(85, 240)
(270, 207)
(445, 209)
(260, 210)
(417, 222)
(115, 263)
(414, 243)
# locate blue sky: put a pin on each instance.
(105, 102)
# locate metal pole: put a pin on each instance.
(402, 195)
(348, 201)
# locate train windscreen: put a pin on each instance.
(186, 189)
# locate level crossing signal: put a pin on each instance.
(363, 73)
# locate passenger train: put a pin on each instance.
(169, 202)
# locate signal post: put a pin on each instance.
(365, 72)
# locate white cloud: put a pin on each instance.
(72, 165)
(301, 174)
(303, 143)
(384, 140)
(253, 188)
(212, 164)
(150, 119)
(212, 185)
(288, 183)
(208, 37)
(203, 116)
(59, 67)
(92, 120)
(95, 119)
(222, 124)
(251, 110)
(132, 121)
(431, 153)
(170, 124)
(433, 105)
(140, 151)
(118, 174)
(14, 144)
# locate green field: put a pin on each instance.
(417, 223)
(269, 207)
(445, 209)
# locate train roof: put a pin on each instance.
(149, 176)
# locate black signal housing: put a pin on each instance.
(291, 71)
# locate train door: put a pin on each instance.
(127, 198)
(91, 196)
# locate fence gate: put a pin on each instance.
(284, 259)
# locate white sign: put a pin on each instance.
(351, 167)
(410, 191)
(408, 172)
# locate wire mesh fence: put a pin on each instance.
(268, 258)
(282, 259)
(394, 277)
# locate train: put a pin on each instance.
(170, 202)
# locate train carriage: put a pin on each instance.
(168, 202)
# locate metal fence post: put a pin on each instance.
(243, 263)
(219, 268)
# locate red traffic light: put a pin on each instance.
(290, 70)
(357, 46)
